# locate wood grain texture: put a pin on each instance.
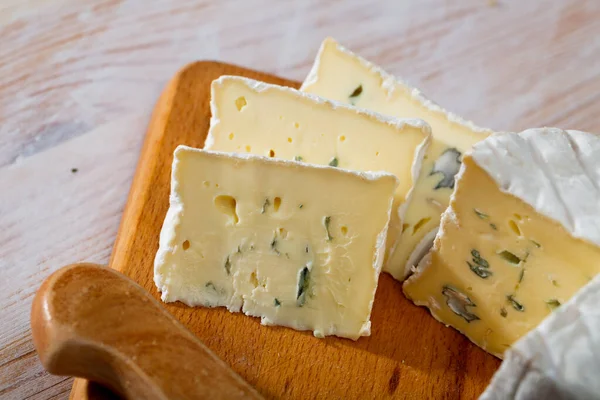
(79, 78)
(94, 322)
(408, 352)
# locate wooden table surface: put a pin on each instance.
(79, 78)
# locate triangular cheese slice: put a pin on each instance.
(520, 237)
(341, 75)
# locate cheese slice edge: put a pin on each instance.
(265, 237)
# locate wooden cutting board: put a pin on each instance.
(408, 355)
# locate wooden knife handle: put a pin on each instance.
(95, 323)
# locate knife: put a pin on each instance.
(95, 323)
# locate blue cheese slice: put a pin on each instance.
(297, 245)
(274, 121)
(521, 235)
(343, 76)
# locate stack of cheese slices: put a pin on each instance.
(301, 197)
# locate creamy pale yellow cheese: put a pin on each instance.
(298, 245)
(556, 359)
(274, 121)
(520, 237)
(340, 75)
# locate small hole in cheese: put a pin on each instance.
(514, 227)
(344, 230)
(206, 183)
(271, 153)
(342, 138)
(228, 206)
(283, 233)
(377, 154)
(276, 203)
(253, 279)
(289, 140)
(248, 149)
(240, 103)
(420, 224)
(296, 125)
(231, 136)
(185, 245)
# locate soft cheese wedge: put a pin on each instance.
(274, 121)
(341, 75)
(520, 237)
(558, 359)
(297, 245)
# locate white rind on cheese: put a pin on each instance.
(420, 251)
(265, 251)
(531, 197)
(258, 87)
(559, 359)
(390, 83)
(555, 171)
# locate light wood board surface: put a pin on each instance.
(79, 78)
